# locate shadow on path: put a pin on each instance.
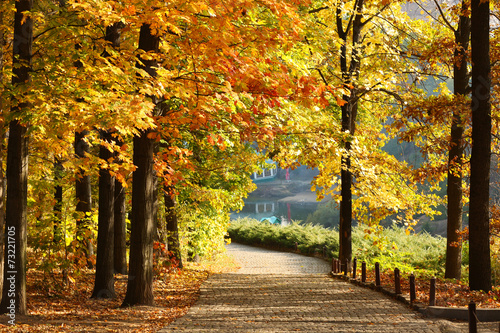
(286, 292)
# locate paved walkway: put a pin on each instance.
(286, 292)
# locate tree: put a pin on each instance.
(437, 112)
(140, 283)
(83, 190)
(3, 137)
(350, 73)
(105, 260)
(172, 225)
(455, 157)
(371, 58)
(104, 270)
(479, 236)
(14, 288)
(120, 229)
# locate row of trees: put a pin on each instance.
(183, 100)
(405, 70)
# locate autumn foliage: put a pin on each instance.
(224, 86)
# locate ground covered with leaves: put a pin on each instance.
(54, 307)
(449, 293)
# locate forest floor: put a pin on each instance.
(449, 293)
(55, 307)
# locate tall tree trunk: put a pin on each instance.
(140, 283)
(455, 159)
(104, 284)
(479, 235)
(83, 191)
(350, 73)
(120, 241)
(172, 225)
(14, 288)
(3, 180)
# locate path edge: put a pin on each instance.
(462, 314)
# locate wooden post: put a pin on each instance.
(296, 246)
(339, 266)
(397, 281)
(472, 318)
(346, 268)
(333, 265)
(363, 272)
(432, 292)
(412, 289)
(354, 264)
(377, 274)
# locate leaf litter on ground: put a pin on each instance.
(53, 308)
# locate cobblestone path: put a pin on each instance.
(286, 292)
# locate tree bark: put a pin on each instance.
(140, 283)
(120, 223)
(58, 198)
(455, 159)
(14, 288)
(172, 226)
(104, 285)
(3, 180)
(479, 236)
(83, 192)
(120, 228)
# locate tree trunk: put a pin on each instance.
(14, 288)
(350, 73)
(58, 198)
(140, 282)
(3, 180)
(120, 241)
(455, 158)
(104, 286)
(479, 236)
(172, 226)
(83, 199)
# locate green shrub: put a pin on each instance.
(310, 239)
(393, 247)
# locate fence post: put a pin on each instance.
(354, 264)
(472, 318)
(296, 246)
(346, 267)
(397, 281)
(377, 274)
(412, 289)
(432, 292)
(363, 272)
(333, 265)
